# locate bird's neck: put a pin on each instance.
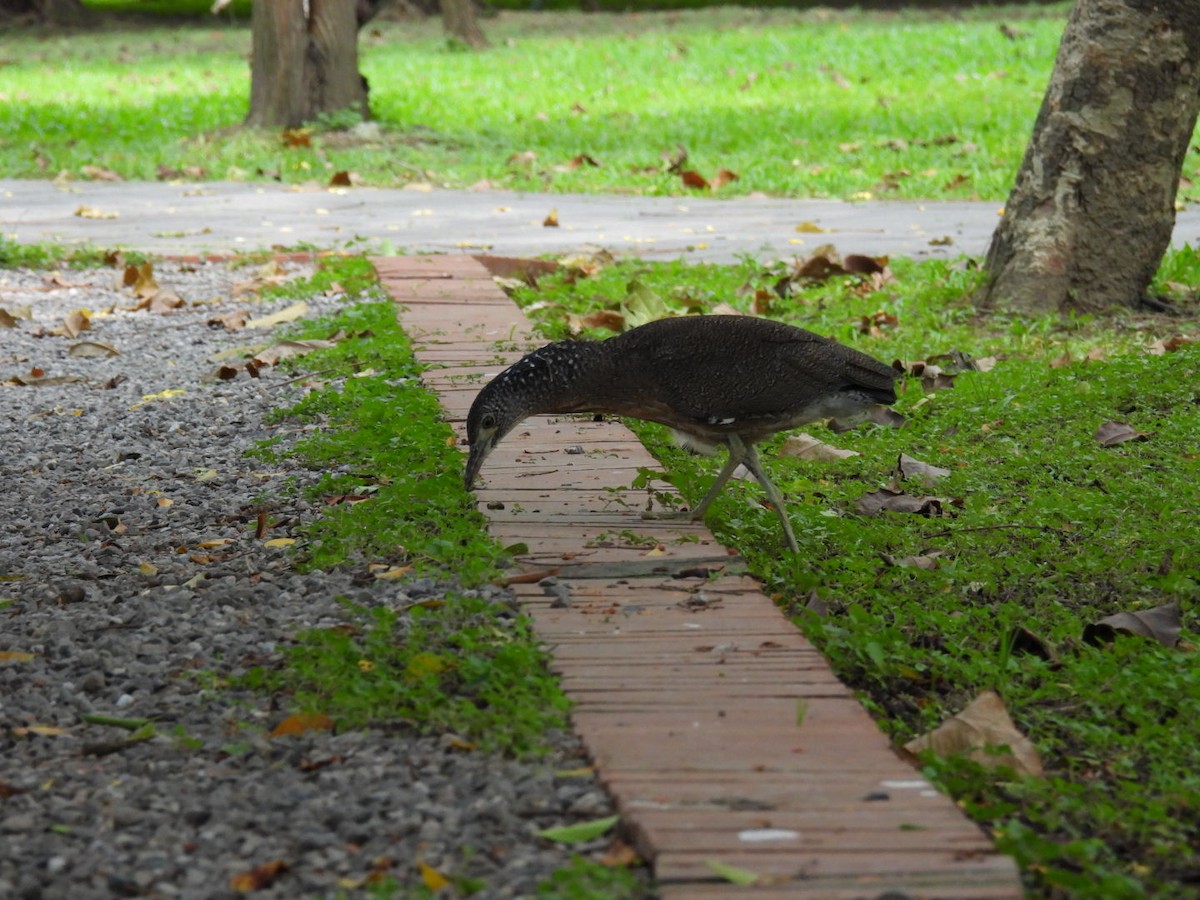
(570, 376)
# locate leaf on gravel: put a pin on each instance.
(15, 656)
(732, 874)
(580, 832)
(299, 723)
(10, 315)
(287, 314)
(978, 732)
(288, 349)
(90, 349)
(431, 877)
(908, 467)
(40, 730)
(38, 378)
(140, 279)
(551, 220)
(888, 500)
(161, 395)
(91, 212)
(233, 321)
(75, 323)
(258, 878)
(279, 542)
(1162, 624)
(1112, 433)
(805, 446)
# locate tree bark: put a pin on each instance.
(461, 23)
(1093, 207)
(304, 62)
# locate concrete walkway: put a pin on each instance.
(161, 217)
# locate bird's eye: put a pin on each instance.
(488, 421)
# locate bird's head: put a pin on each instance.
(490, 419)
(542, 381)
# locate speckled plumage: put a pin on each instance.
(730, 380)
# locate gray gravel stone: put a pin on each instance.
(110, 489)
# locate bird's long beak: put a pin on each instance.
(479, 451)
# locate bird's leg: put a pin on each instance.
(739, 453)
(773, 493)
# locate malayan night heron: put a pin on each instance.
(731, 380)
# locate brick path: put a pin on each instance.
(720, 731)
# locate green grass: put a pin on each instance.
(1049, 531)
(460, 664)
(912, 104)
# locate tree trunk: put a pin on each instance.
(304, 62)
(46, 12)
(460, 23)
(1092, 211)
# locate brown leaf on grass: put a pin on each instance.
(857, 264)
(523, 159)
(99, 173)
(876, 322)
(551, 220)
(604, 318)
(92, 349)
(1063, 361)
(1112, 433)
(723, 177)
(1162, 624)
(299, 723)
(888, 500)
(927, 561)
(296, 137)
(583, 159)
(258, 878)
(908, 467)
(978, 732)
(694, 180)
(1023, 641)
(1169, 345)
(805, 446)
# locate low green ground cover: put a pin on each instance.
(1042, 528)
(912, 104)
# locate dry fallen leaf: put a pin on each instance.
(91, 212)
(907, 467)
(1112, 433)
(287, 314)
(1162, 624)
(298, 723)
(976, 731)
(805, 446)
(89, 349)
(693, 179)
(1169, 345)
(551, 220)
(262, 876)
(888, 500)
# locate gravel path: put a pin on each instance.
(110, 489)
